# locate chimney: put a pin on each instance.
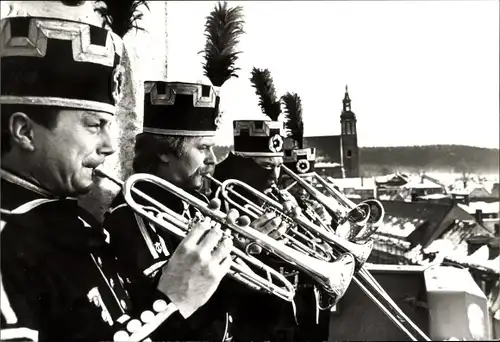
(475, 242)
(494, 246)
(361, 181)
(479, 216)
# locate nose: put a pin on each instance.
(106, 147)
(276, 173)
(210, 158)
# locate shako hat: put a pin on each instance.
(192, 108)
(261, 138)
(300, 161)
(54, 61)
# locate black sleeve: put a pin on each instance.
(134, 258)
(22, 297)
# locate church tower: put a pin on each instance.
(349, 139)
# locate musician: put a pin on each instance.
(302, 162)
(256, 156)
(59, 279)
(313, 322)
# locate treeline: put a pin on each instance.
(445, 158)
(435, 158)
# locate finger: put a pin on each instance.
(276, 234)
(225, 265)
(197, 231)
(244, 221)
(262, 220)
(232, 216)
(270, 226)
(296, 211)
(287, 206)
(223, 250)
(214, 204)
(210, 240)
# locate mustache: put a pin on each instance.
(93, 163)
(207, 170)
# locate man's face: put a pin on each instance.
(272, 165)
(68, 153)
(197, 160)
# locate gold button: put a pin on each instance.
(120, 336)
(147, 316)
(159, 305)
(134, 325)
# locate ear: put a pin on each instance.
(21, 130)
(165, 157)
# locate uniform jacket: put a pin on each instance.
(285, 323)
(60, 279)
(146, 248)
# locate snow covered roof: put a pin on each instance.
(326, 165)
(451, 279)
(485, 207)
(354, 183)
(422, 184)
(399, 226)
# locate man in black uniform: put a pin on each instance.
(59, 279)
(176, 145)
(313, 323)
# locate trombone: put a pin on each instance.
(334, 277)
(363, 278)
(364, 218)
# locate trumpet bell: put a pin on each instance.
(375, 218)
(377, 211)
(361, 251)
(339, 276)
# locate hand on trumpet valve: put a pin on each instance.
(291, 209)
(197, 266)
(270, 224)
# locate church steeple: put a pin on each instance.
(346, 100)
(349, 138)
(347, 115)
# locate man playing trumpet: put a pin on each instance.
(59, 279)
(180, 121)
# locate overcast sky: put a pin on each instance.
(419, 72)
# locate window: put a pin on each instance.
(349, 154)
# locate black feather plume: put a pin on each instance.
(72, 3)
(293, 111)
(264, 88)
(121, 15)
(223, 28)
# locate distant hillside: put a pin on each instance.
(433, 158)
(445, 158)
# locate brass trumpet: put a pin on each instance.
(364, 218)
(363, 278)
(361, 251)
(334, 277)
(309, 245)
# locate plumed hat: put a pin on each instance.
(51, 61)
(258, 138)
(294, 123)
(261, 138)
(192, 108)
(300, 161)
